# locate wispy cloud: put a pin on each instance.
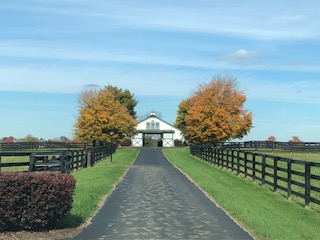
(73, 80)
(91, 85)
(246, 20)
(292, 17)
(241, 54)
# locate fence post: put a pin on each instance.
(232, 160)
(215, 156)
(211, 154)
(222, 157)
(307, 184)
(254, 166)
(219, 157)
(77, 158)
(93, 157)
(227, 158)
(86, 157)
(205, 153)
(72, 157)
(263, 170)
(238, 162)
(245, 164)
(275, 173)
(289, 169)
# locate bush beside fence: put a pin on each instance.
(34, 200)
(294, 177)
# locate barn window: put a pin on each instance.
(152, 125)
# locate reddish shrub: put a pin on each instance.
(34, 200)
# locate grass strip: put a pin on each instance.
(94, 183)
(266, 214)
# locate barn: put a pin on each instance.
(156, 132)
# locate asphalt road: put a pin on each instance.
(156, 201)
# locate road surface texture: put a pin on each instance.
(155, 201)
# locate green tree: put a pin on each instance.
(125, 97)
(181, 115)
(29, 138)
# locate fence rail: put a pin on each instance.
(62, 160)
(23, 146)
(286, 146)
(292, 177)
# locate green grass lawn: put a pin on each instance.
(12, 159)
(305, 156)
(94, 183)
(267, 214)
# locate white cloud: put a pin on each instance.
(241, 54)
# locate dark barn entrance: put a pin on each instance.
(152, 139)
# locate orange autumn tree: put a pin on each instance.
(215, 112)
(295, 139)
(103, 118)
(272, 138)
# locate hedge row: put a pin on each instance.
(34, 200)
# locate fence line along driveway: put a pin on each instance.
(294, 177)
(156, 201)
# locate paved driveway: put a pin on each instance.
(156, 201)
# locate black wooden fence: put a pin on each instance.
(292, 177)
(286, 146)
(62, 160)
(23, 146)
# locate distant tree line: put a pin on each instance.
(294, 139)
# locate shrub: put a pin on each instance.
(178, 143)
(34, 200)
(125, 142)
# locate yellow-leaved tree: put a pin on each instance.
(103, 118)
(215, 112)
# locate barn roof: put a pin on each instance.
(154, 116)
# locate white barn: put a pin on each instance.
(161, 133)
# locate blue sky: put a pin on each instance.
(160, 50)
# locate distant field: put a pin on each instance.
(14, 159)
(310, 157)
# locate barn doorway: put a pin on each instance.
(152, 139)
